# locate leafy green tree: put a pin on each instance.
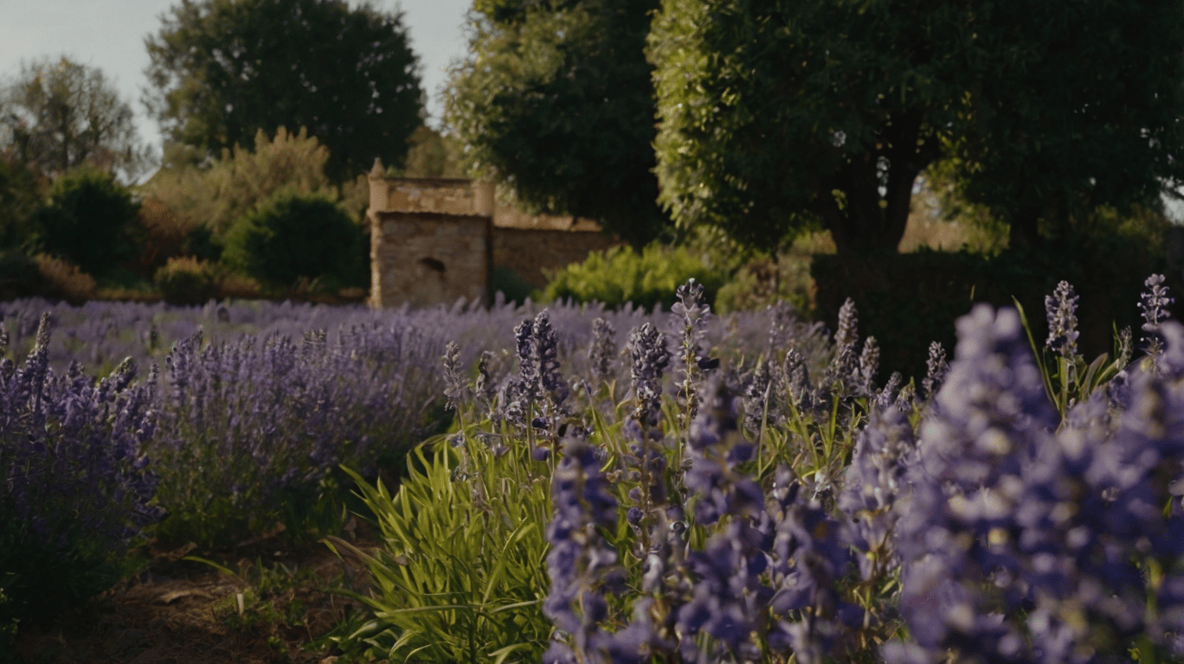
(780, 116)
(432, 155)
(295, 237)
(1079, 118)
(216, 195)
(20, 195)
(222, 70)
(88, 221)
(556, 100)
(57, 115)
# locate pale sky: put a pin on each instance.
(109, 34)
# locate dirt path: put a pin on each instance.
(185, 612)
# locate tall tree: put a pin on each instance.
(775, 116)
(1082, 109)
(58, 115)
(222, 70)
(556, 100)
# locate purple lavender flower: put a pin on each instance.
(937, 369)
(798, 377)
(1061, 309)
(1155, 303)
(990, 418)
(454, 383)
(844, 366)
(1021, 544)
(869, 365)
(647, 346)
(582, 566)
(694, 312)
(602, 351)
(76, 482)
(717, 448)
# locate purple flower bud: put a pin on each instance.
(602, 352)
(1061, 310)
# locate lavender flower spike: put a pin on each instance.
(938, 367)
(602, 350)
(650, 359)
(1154, 304)
(1061, 309)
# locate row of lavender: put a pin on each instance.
(210, 424)
(1008, 509)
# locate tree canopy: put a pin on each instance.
(222, 70)
(1081, 111)
(782, 115)
(556, 101)
(57, 115)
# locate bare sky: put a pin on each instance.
(109, 34)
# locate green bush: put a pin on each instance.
(621, 275)
(20, 276)
(19, 198)
(186, 281)
(511, 284)
(765, 281)
(907, 301)
(294, 238)
(88, 221)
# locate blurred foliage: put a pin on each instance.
(20, 195)
(221, 71)
(62, 280)
(432, 155)
(941, 220)
(186, 281)
(19, 276)
(512, 285)
(792, 114)
(556, 102)
(298, 237)
(1081, 110)
(908, 300)
(621, 275)
(57, 115)
(88, 220)
(219, 193)
(161, 234)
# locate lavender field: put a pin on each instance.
(586, 486)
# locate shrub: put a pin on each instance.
(19, 198)
(296, 237)
(162, 233)
(621, 275)
(75, 486)
(20, 276)
(88, 221)
(764, 281)
(512, 285)
(242, 179)
(909, 300)
(63, 280)
(186, 281)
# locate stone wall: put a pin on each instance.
(435, 240)
(426, 258)
(531, 251)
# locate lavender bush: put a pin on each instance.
(710, 506)
(77, 486)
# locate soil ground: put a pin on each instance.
(186, 612)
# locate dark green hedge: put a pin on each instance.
(909, 300)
